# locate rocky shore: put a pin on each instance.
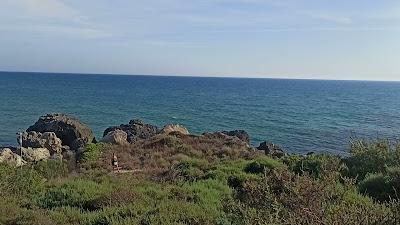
(62, 137)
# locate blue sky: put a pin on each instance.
(325, 39)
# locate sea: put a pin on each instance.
(299, 115)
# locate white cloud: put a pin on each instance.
(52, 18)
(40, 8)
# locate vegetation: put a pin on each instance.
(187, 181)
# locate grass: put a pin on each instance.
(189, 180)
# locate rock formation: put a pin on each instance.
(227, 139)
(135, 130)
(47, 140)
(11, 158)
(118, 137)
(241, 134)
(70, 130)
(34, 154)
(174, 128)
(271, 149)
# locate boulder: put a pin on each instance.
(67, 128)
(78, 144)
(241, 134)
(35, 154)
(69, 155)
(47, 140)
(11, 158)
(217, 135)
(271, 149)
(226, 139)
(135, 130)
(175, 128)
(118, 137)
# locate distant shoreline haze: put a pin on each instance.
(199, 76)
(299, 115)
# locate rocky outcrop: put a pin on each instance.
(118, 137)
(241, 134)
(227, 139)
(35, 154)
(271, 149)
(135, 130)
(11, 158)
(70, 130)
(174, 128)
(47, 140)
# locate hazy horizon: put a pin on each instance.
(189, 76)
(286, 39)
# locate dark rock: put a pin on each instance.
(226, 139)
(218, 135)
(67, 128)
(271, 149)
(135, 130)
(78, 144)
(241, 134)
(68, 155)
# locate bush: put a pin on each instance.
(371, 157)
(261, 164)
(382, 186)
(92, 152)
(75, 193)
(314, 165)
(52, 169)
(188, 169)
(19, 182)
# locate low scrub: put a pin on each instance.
(193, 180)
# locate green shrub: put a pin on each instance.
(52, 169)
(188, 170)
(382, 186)
(75, 193)
(91, 154)
(261, 164)
(315, 165)
(19, 182)
(371, 157)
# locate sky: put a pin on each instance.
(321, 39)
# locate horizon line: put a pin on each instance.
(199, 76)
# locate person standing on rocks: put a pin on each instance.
(114, 162)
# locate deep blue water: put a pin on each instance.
(300, 115)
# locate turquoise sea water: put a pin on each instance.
(300, 115)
